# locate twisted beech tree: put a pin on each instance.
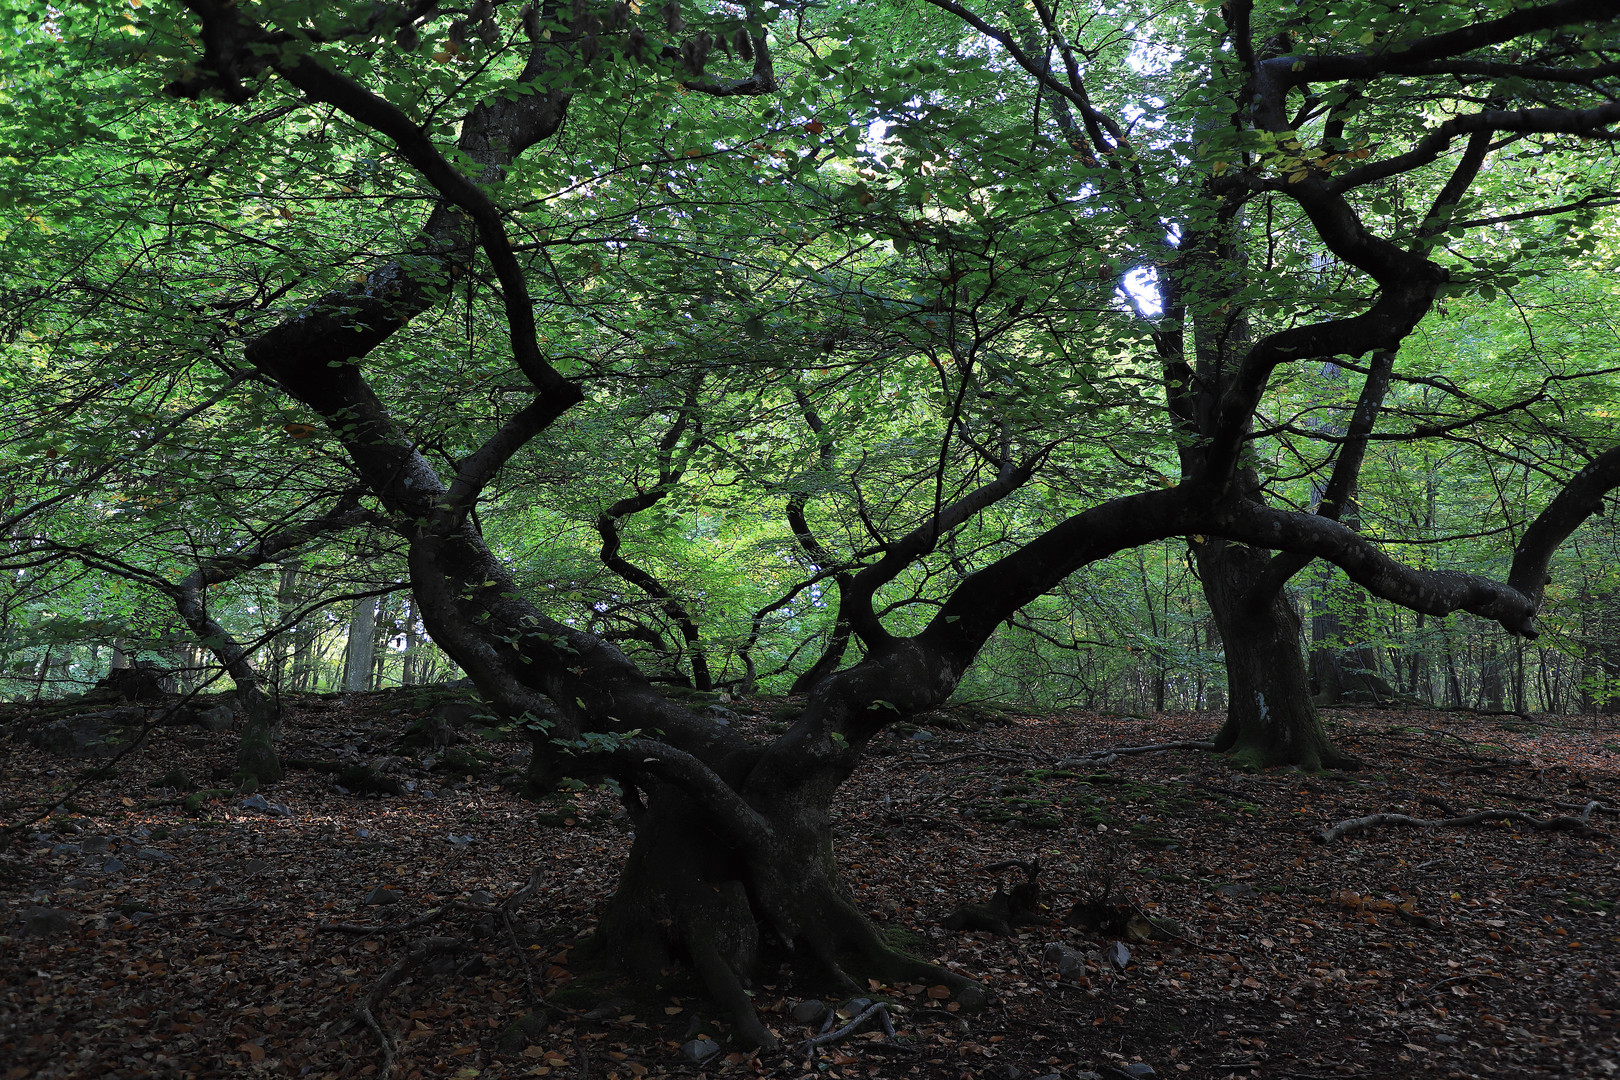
(1224, 158)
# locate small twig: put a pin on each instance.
(1460, 978)
(1004, 755)
(1219, 790)
(1563, 822)
(155, 916)
(1480, 768)
(924, 819)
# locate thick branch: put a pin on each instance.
(921, 541)
(1581, 498)
(1431, 146)
(742, 822)
(1407, 56)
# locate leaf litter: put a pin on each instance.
(141, 941)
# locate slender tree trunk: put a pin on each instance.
(1490, 677)
(1344, 665)
(256, 759)
(379, 646)
(362, 644)
(43, 675)
(283, 645)
(410, 664)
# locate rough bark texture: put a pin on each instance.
(362, 644)
(1270, 719)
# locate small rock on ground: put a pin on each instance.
(810, 1011)
(700, 1049)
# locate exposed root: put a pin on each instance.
(726, 988)
(861, 939)
(1580, 824)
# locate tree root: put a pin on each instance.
(1579, 824)
(366, 1011)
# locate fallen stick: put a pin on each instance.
(1131, 751)
(827, 1038)
(924, 819)
(1580, 824)
(1519, 796)
(366, 1010)
(392, 928)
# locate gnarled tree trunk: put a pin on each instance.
(1270, 719)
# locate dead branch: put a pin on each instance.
(827, 1038)
(424, 950)
(522, 896)
(999, 755)
(190, 912)
(1579, 824)
(1520, 796)
(392, 928)
(1440, 805)
(1104, 756)
(508, 908)
(924, 819)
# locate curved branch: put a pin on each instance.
(1514, 604)
(670, 470)
(1580, 499)
(647, 757)
(820, 557)
(1543, 121)
(1405, 57)
(922, 540)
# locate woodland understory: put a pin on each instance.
(235, 941)
(649, 359)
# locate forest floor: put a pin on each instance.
(140, 940)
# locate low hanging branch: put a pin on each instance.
(1562, 823)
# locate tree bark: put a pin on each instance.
(362, 644)
(1270, 719)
